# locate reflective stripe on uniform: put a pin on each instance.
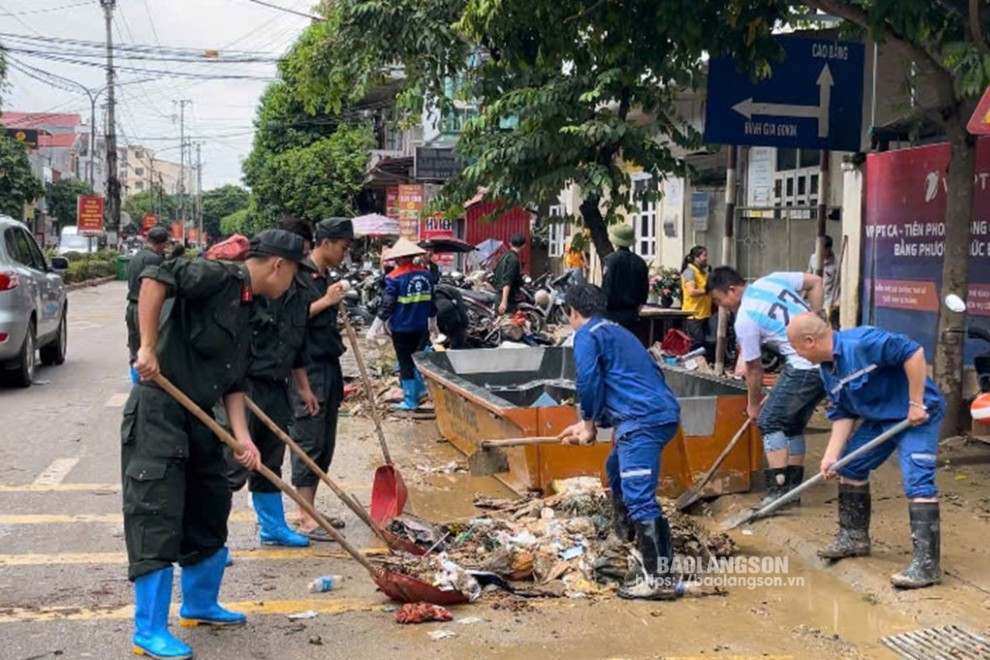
(419, 297)
(629, 474)
(853, 376)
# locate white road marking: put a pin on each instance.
(56, 472)
(117, 400)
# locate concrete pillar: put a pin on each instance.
(853, 189)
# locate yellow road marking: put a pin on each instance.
(115, 488)
(61, 488)
(56, 472)
(255, 554)
(113, 518)
(331, 605)
(117, 400)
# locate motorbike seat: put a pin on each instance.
(480, 296)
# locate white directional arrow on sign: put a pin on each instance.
(748, 108)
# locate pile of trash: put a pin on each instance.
(561, 545)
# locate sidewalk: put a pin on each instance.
(964, 487)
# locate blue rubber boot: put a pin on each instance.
(410, 396)
(271, 517)
(152, 599)
(200, 590)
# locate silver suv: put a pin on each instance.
(32, 305)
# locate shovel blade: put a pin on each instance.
(407, 589)
(485, 462)
(739, 519)
(688, 498)
(388, 494)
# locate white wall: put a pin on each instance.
(852, 222)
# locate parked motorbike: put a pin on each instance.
(549, 299)
(981, 363)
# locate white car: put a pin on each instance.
(33, 305)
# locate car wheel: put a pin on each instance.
(23, 376)
(54, 353)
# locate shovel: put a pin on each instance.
(349, 501)
(693, 494)
(747, 516)
(397, 586)
(490, 459)
(388, 492)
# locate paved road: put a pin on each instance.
(63, 590)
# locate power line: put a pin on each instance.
(50, 9)
(288, 11)
(133, 47)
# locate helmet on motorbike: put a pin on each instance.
(980, 408)
(542, 298)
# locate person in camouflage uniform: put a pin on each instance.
(176, 500)
(151, 254)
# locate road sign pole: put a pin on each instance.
(823, 186)
(727, 251)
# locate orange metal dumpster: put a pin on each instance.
(506, 393)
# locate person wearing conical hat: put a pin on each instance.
(625, 278)
(409, 308)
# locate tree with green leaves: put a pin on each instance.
(63, 201)
(154, 201)
(18, 185)
(946, 40)
(306, 163)
(220, 203)
(568, 92)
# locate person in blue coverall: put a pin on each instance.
(410, 309)
(620, 386)
(881, 378)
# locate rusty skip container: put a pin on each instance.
(522, 392)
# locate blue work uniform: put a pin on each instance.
(407, 302)
(866, 380)
(619, 385)
(408, 305)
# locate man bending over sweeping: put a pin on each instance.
(620, 386)
(880, 378)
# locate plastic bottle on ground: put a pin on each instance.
(323, 584)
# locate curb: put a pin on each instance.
(89, 283)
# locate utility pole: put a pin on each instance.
(199, 194)
(113, 183)
(182, 161)
(721, 336)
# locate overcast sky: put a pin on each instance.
(222, 110)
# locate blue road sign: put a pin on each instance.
(813, 99)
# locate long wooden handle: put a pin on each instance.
(838, 465)
(351, 504)
(703, 481)
(375, 415)
(229, 440)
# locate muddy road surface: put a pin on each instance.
(64, 591)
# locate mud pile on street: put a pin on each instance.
(546, 547)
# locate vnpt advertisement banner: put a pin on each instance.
(904, 241)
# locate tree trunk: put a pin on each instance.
(948, 365)
(594, 222)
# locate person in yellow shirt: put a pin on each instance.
(574, 260)
(694, 278)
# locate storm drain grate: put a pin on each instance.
(942, 643)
